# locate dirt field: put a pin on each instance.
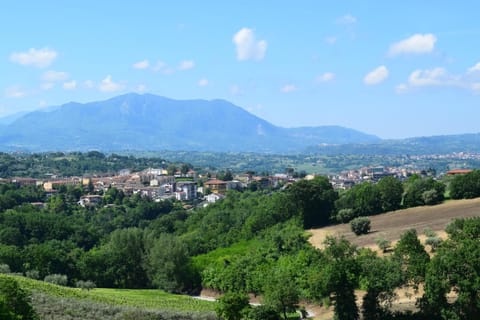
(393, 224)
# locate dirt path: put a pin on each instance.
(393, 224)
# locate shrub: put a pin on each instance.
(14, 301)
(58, 279)
(429, 232)
(433, 242)
(4, 268)
(262, 313)
(32, 274)
(383, 244)
(360, 225)
(345, 215)
(85, 285)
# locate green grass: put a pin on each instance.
(221, 254)
(143, 298)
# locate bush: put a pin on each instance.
(58, 279)
(32, 274)
(14, 301)
(345, 215)
(360, 225)
(262, 313)
(433, 242)
(85, 285)
(4, 268)
(383, 244)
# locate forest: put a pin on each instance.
(248, 243)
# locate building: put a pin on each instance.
(216, 186)
(90, 200)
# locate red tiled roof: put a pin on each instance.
(459, 171)
(215, 181)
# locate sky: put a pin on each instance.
(395, 69)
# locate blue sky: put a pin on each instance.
(394, 69)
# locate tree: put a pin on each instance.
(280, 291)
(169, 266)
(360, 225)
(232, 305)
(340, 277)
(391, 191)
(380, 277)
(411, 254)
(14, 301)
(455, 267)
(315, 200)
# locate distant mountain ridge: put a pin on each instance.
(150, 122)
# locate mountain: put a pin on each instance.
(149, 122)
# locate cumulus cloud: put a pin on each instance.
(53, 76)
(15, 92)
(376, 76)
(71, 85)
(203, 82)
(40, 58)
(347, 19)
(247, 47)
(186, 65)
(107, 85)
(475, 68)
(289, 88)
(416, 44)
(158, 66)
(431, 77)
(326, 77)
(144, 64)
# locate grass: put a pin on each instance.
(144, 299)
(221, 254)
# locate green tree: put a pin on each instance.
(391, 191)
(411, 254)
(14, 301)
(315, 200)
(232, 306)
(281, 291)
(340, 277)
(360, 225)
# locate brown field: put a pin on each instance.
(392, 225)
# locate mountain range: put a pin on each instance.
(149, 122)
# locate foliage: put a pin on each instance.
(58, 279)
(315, 200)
(232, 306)
(14, 301)
(465, 186)
(360, 225)
(411, 254)
(281, 291)
(262, 313)
(420, 191)
(85, 285)
(345, 215)
(455, 267)
(383, 244)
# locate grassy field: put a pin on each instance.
(392, 225)
(57, 302)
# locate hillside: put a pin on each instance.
(149, 122)
(392, 225)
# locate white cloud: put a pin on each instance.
(376, 76)
(326, 77)
(47, 85)
(476, 87)
(40, 58)
(107, 85)
(289, 88)
(347, 19)
(432, 77)
(475, 68)
(247, 47)
(144, 64)
(52, 76)
(186, 65)
(203, 82)
(89, 84)
(15, 92)
(70, 85)
(417, 44)
(42, 103)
